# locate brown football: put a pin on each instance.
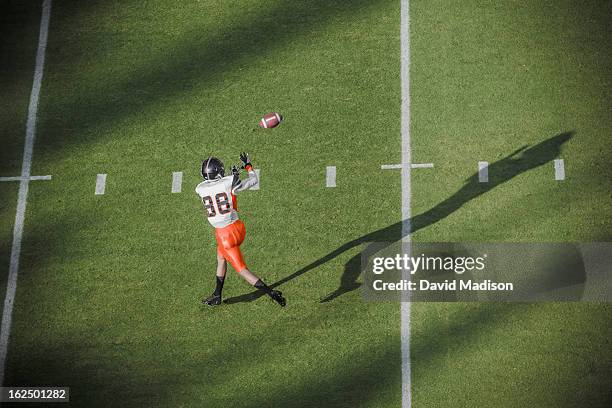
(270, 120)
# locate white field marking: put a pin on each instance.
(26, 167)
(19, 178)
(406, 197)
(47, 177)
(413, 165)
(256, 186)
(483, 172)
(559, 170)
(100, 184)
(177, 181)
(330, 180)
(390, 166)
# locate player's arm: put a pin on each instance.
(250, 181)
(236, 175)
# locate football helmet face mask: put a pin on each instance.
(213, 169)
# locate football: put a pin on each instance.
(270, 120)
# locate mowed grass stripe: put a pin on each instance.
(518, 85)
(124, 273)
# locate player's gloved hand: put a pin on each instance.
(235, 170)
(246, 162)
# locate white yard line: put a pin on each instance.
(26, 167)
(483, 172)
(177, 181)
(100, 184)
(406, 195)
(559, 170)
(330, 179)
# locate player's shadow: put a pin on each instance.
(519, 161)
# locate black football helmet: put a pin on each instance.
(212, 169)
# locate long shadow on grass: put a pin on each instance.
(516, 163)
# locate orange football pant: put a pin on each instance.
(228, 244)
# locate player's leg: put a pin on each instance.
(234, 256)
(215, 298)
(250, 277)
(221, 271)
(221, 265)
(229, 240)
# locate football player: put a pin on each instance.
(218, 194)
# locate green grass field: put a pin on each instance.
(109, 288)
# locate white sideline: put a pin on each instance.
(26, 167)
(406, 193)
(330, 180)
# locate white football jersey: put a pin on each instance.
(219, 200)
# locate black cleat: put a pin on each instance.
(212, 300)
(277, 296)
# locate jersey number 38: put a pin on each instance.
(222, 206)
